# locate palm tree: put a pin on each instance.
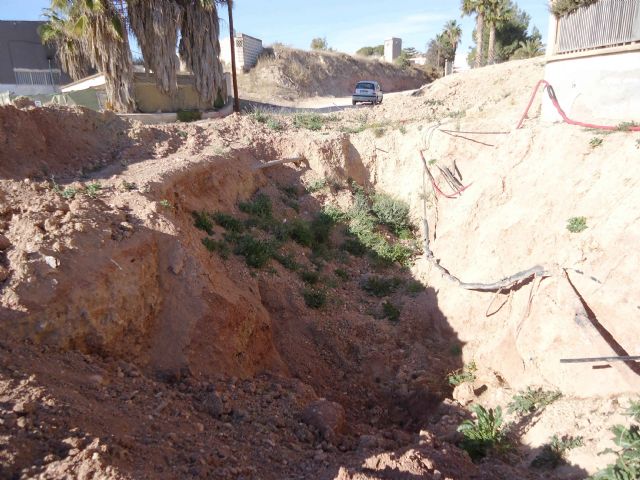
(529, 49)
(92, 30)
(479, 8)
(453, 32)
(498, 11)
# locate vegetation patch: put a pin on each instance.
(463, 375)
(532, 400)
(577, 224)
(626, 126)
(228, 222)
(260, 206)
(380, 286)
(310, 121)
(217, 246)
(342, 274)
(483, 434)
(553, 453)
(189, 115)
(390, 312)
(391, 212)
(310, 277)
(595, 142)
(256, 253)
(202, 221)
(93, 189)
(314, 298)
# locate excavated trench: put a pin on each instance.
(158, 275)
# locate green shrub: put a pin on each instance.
(275, 125)
(300, 232)
(466, 374)
(314, 298)
(391, 212)
(321, 227)
(310, 277)
(626, 126)
(414, 287)
(627, 439)
(531, 400)
(290, 191)
(310, 121)
(93, 189)
(317, 185)
(217, 246)
(255, 252)
(577, 224)
(484, 434)
(202, 221)
(287, 261)
(390, 311)
(380, 286)
(260, 206)
(595, 142)
(553, 453)
(228, 222)
(188, 115)
(354, 247)
(260, 117)
(342, 273)
(335, 214)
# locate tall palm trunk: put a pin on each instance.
(479, 39)
(200, 48)
(491, 51)
(155, 24)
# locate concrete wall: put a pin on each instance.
(597, 88)
(392, 49)
(28, 89)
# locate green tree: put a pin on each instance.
(529, 49)
(498, 12)
(453, 33)
(479, 9)
(319, 44)
(378, 50)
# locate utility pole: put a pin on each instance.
(232, 39)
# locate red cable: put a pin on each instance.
(556, 104)
(437, 188)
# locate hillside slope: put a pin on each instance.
(289, 73)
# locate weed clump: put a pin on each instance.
(463, 375)
(390, 312)
(228, 222)
(202, 221)
(342, 274)
(577, 224)
(189, 115)
(310, 121)
(260, 206)
(256, 253)
(391, 212)
(217, 246)
(595, 142)
(532, 400)
(310, 277)
(314, 298)
(484, 434)
(380, 286)
(553, 453)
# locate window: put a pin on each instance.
(366, 85)
(28, 76)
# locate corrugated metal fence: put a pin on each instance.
(27, 76)
(601, 24)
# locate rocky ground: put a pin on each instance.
(129, 350)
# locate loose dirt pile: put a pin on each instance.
(171, 310)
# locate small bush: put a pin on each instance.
(626, 126)
(484, 434)
(381, 286)
(627, 439)
(217, 246)
(310, 277)
(93, 189)
(287, 261)
(129, 186)
(189, 115)
(260, 206)
(202, 221)
(414, 287)
(577, 224)
(391, 212)
(463, 375)
(531, 400)
(300, 232)
(378, 132)
(314, 298)
(390, 312)
(335, 214)
(256, 253)
(290, 191)
(553, 453)
(354, 247)
(595, 142)
(275, 125)
(342, 273)
(321, 226)
(317, 185)
(310, 121)
(228, 222)
(164, 203)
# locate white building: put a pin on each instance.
(593, 63)
(248, 49)
(392, 49)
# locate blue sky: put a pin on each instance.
(347, 24)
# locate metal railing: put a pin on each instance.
(601, 24)
(28, 76)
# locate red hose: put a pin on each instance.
(554, 101)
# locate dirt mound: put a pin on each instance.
(291, 73)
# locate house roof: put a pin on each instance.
(21, 47)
